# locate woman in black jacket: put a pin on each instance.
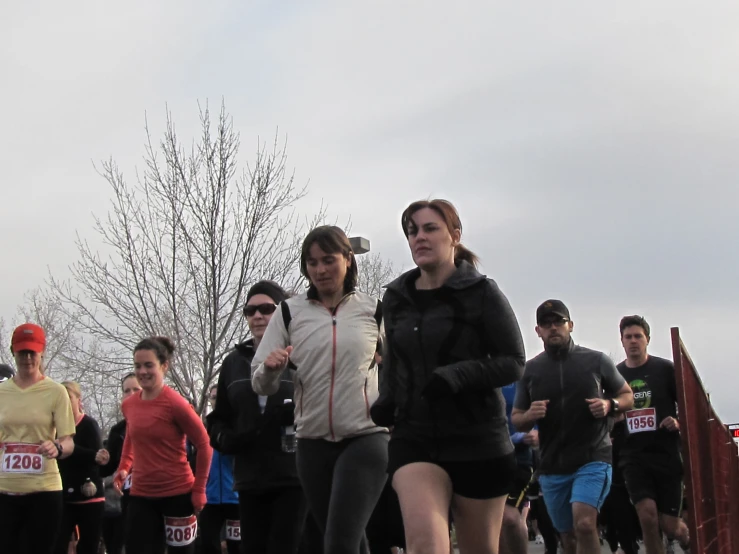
(271, 502)
(82, 485)
(114, 523)
(452, 342)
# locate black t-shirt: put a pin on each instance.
(654, 390)
(424, 297)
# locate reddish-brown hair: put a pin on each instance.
(449, 214)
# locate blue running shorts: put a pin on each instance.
(589, 485)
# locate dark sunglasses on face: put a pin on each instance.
(553, 323)
(264, 309)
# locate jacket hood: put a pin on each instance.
(246, 348)
(464, 277)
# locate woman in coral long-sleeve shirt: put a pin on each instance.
(163, 487)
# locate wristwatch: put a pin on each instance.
(614, 405)
(59, 449)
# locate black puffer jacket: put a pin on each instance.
(447, 354)
(238, 427)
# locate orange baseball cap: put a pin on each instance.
(28, 336)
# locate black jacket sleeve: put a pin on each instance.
(502, 339)
(115, 449)
(222, 424)
(87, 441)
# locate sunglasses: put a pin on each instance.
(264, 309)
(553, 323)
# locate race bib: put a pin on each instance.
(128, 481)
(641, 420)
(181, 531)
(22, 458)
(233, 530)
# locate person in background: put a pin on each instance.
(84, 499)
(165, 495)
(329, 344)
(572, 394)
(36, 429)
(6, 372)
(114, 523)
(222, 506)
(251, 428)
(514, 534)
(452, 342)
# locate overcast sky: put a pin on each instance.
(591, 151)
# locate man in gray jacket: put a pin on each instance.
(569, 391)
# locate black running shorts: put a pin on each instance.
(663, 483)
(480, 479)
(518, 493)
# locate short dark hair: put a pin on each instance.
(631, 320)
(163, 347)
(332, 240)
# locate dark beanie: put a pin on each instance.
(270, 288)
(6, 372)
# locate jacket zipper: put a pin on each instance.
(333, 366)
(333, 376)
(562, 403)
(434, 421)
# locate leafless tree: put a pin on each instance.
(374, 273)
(184, 242)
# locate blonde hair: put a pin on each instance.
(73, 387)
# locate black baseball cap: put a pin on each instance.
(6, 372)
(552, 307)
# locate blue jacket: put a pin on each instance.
(221, 480)
(524, 455)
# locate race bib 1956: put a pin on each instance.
(22, 458)
(233, 530)
(181, 531)
(641, 420)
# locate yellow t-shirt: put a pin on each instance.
(29, 417)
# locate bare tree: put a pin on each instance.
(374, 273)
(5, 356)
(184, 243)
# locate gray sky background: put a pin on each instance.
(591, 150)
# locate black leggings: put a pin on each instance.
(621, 521)
(272, 521)
(210, 523)
(114, 529)
(30, 522)
(342, 482)
(145, 532)
(89, 519)
(546, 528)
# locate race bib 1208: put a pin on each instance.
(22, 458)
